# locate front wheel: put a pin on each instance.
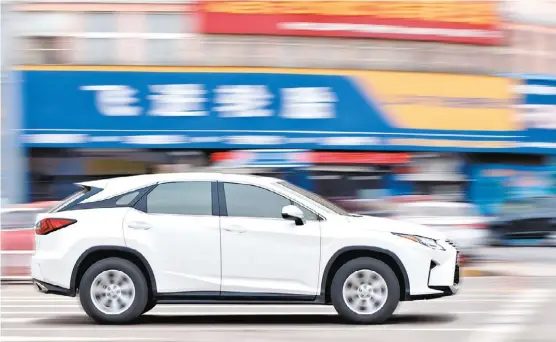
(113, 291)
(150, 305)
(365, 291)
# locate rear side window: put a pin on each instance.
(127, 199)
(181, 198)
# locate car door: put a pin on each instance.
(262, 253)
(175, 229)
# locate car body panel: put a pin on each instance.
(57, 253)
(263, 255)
(221, 255)
(184, 251)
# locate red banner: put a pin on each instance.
(461, 21)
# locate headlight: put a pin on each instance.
(431, 243)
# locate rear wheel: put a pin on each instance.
(365, 291)
(113, 291)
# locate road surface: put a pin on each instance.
(487, 309)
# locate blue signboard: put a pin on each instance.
(249, 109)
(494, 184)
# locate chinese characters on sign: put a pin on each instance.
(115, 100)
(230, 101)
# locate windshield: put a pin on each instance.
(328, 205)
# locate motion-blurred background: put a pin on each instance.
(438, 112)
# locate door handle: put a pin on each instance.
(139, 225)
(234, 229)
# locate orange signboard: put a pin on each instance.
(457, 20)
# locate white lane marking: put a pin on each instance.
(166, 328)
(512, 317)
(76, 338)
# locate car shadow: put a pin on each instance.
(241, 320)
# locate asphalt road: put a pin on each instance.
(487, 309)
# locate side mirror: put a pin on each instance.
(291, 212)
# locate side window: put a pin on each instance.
(127, 199)
(252, 201)
(308, 215)
(181, 198)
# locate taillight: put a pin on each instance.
(48, 225)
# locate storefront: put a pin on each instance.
(81, 123)
(358, 181)
(53, 172)
(499, 180)
(439, 176)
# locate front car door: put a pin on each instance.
(175, 228)
(262, 253)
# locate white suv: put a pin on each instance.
(127, 244)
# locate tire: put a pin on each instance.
(150, 305)
(108, 270)
(376, 270)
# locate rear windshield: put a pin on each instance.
(71, 199)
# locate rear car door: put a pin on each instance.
(264, 254)
(175, 227)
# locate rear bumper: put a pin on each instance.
(45, 287)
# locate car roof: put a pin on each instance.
(120, 184)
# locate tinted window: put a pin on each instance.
(307, 215)
(127, 199)
(182, 198)
(252, 201)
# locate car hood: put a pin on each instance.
(395, 226)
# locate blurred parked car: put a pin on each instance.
(17, 237)
(528, 221)
(17, 223)
(461, 222)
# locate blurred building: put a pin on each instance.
(123, 87)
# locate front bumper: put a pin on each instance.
(440, 279)
(444, 291)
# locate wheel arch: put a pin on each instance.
(349, 253)
(94, 254)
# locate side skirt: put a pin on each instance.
(236, 298)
